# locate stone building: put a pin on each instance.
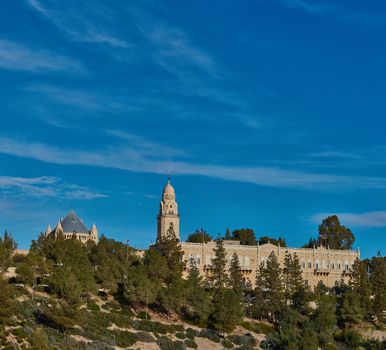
(319, 264)
(73, 225)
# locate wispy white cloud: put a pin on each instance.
(137, 160)
(367, 219)
(86, 100)
(338, 12)
(14, 56)
(314, 7)
(85, 22)
(46, 186)
(146, 147)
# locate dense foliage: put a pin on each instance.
(68, 275)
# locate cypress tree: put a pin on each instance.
(218, 277)
(269, 288)
(295, 290)
(236, 281)
(378, 286)
(228, 235)
(360, 283)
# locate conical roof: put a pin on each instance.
(73, 224)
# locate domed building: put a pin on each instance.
(73, 225)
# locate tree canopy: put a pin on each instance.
(334, 235)
(199, 236)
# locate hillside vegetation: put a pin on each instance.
(67, 295)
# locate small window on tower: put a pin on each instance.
(171, 206)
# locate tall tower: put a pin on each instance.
(168, 219)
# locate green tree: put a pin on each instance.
(65, 284)
(360, 283)
(309, 338)
(7, 248)
(236, 280)
(378, 286)
(25, 274)
(334, 235)
(228, 236)
(269, 288)
(280, 241)
(287, 334)
(218, 276)
(110, 260)
(200, 236)
(246, 236)
(198, 305)
(295, 290)
(349, 310)
(7, 304)
(139, 288)
(171, 250)
(325, 320)
(227, 310)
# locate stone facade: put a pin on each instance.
(318, 264)
(73, 225)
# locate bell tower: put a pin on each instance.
(168, 219)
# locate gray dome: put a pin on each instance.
(73, 224)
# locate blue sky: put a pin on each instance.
(267, 114)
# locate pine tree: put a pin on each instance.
(295, 291)
(198, 303)
(170, 248)
(236, 281)
(227, 311)
(269, 288)
(378, 286)
(218, 276)
(228, 236)
(349, 310)
(7, 247)
(325, 320)
(360, 283)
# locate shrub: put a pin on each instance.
(145, 337)
(180, 335)
(243, 340)
(19, 333)
(191, 333)
(191, 344)
(263, 328)
(143, 315)
(125, 339)
(227, 344)
(93, 307)
(211, 335)
(167, 344)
